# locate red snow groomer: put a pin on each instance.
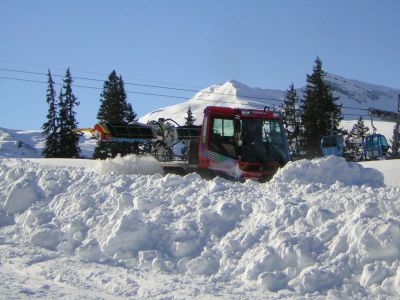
(232, 142)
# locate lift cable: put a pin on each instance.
(155, 86)
(130, 92)
(147, 85)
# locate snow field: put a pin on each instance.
(319, 228)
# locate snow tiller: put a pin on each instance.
(232, 142)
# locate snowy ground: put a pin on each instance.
(82, 229)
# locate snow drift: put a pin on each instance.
(321, 227)
(328, 171)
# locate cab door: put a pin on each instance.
(218, 149)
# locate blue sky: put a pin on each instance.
(187, 43)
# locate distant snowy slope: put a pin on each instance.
(29, 143)
(20, 143)
(351, 93)
(87, 144)
(355, 93)
(389, 168)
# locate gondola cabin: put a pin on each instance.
(332, 145)
(375, 146)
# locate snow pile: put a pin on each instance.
(329, 170)
(129, 164)
(331, 230)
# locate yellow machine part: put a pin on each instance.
(83, 130)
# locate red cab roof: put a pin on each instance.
(243, 112)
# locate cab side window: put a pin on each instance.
(221, 140)
(222, 127)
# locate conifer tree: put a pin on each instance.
(130, 115)
(114, 108)
(62, 125)
(291, 119)
(354, 142)
(69, 140)
(189, 118)
(320, 113)
(50, 127)
(112, 105)
(395, 140)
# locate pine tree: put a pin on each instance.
(189, 119)
(50, 127)
(321, 115)
(114, 108)
(354, 142)
(111, 101)
(62, 126)
(395, 140)
(130, 115)
(291, 119)
(69, 140)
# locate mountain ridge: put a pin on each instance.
(352, 94)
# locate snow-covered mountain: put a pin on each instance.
(351, 93)
(354, 93)
(231, 93)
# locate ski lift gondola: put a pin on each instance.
(375, 144)
(332, 145)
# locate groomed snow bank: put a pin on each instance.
(129, 164)
(329, 170)
(323, 227)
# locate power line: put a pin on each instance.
(151, 94)
(90, 72)
(128, 92)
(156, 86)
(22, 79)
(148, 85)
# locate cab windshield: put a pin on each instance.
(263, 141)
(260, 140)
